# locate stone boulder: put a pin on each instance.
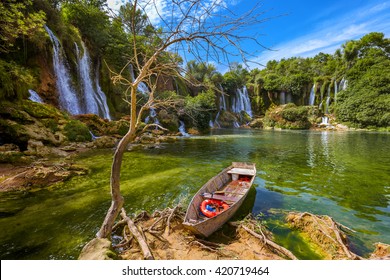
(98, 249)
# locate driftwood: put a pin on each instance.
(138, 236)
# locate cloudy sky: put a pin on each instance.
(301, 27)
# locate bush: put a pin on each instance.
(366, 101)
(199, 109)
(77, 131)
(288, 116)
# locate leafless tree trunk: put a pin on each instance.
(205, 28)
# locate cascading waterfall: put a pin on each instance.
(67, 95)
(182, 129)
(142, 87)
(222, 106)
(89, 101)
(241, 102)
(102, 99)
(312, 96)
(152, 116)
(34, 96)
(94, 101)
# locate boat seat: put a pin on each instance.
(227, 199)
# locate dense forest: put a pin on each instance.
(352, 85)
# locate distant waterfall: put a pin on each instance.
(142, 87)
(312, 96)
(182, 129)
(222, 100)
(152, 117)
(95, 102)
(90, 102)
(241, 102)
(67, 95)
(102, 99)
(34, 96)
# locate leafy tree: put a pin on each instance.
(18, 21)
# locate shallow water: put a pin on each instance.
(342, 174)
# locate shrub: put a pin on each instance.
(77, 131)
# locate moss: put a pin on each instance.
(77, 131)
(40, 111)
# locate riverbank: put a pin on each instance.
(161, 236)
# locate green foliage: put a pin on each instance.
(366, 102)
(199, 108)
(15, 80)
(17, 21)
(288, 116)
(77, 131)
(90, 19)
(235, 78)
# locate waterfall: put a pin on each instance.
(216, 123)
(95, 102)
(89, 100)
(34, 96)
(101, 97)
(182, 129)
(343, 84)
(324, 121)
(142, 87)
(222, 100)
(152, 116)
(67, 95)
(312, 96)
(241, 102)
(327, 105)
(289, 97)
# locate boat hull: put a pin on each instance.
(203, 226)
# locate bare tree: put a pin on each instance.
(205, 30)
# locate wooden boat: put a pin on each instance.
(231, 186)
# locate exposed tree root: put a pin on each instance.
(138, 236)
(162, 236)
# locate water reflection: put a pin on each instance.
(344, 175)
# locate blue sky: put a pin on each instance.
(305, 28)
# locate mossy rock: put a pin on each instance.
(98, 249)
(168, 120)
(77, 131)
(40, 111)
(227, 119)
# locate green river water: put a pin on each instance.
(342, 174)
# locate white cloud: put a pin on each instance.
(352, 25)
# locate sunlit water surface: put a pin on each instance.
(342, 174)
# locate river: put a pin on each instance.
(345, 175)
